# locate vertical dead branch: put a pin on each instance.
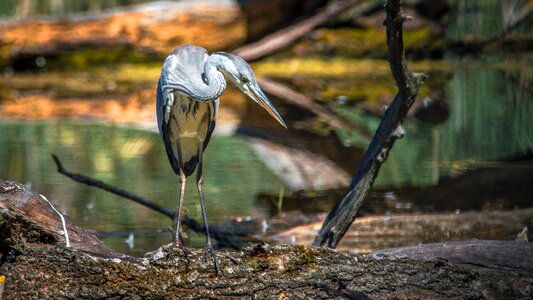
(341, 217)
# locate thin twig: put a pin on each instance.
(225, 238)
(343, 214)
(63, 224)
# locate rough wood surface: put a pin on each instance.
(343, 214)
(27, 218)
(483, 253)
(37, 266)
(370, 233)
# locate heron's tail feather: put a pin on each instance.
(190, 166)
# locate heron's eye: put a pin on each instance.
(244, 79)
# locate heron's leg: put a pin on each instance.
(200, 183)
(177, 239)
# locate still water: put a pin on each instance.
(478, 158)
(134, 160)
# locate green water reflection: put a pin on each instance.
(491, 109)
(134, 160)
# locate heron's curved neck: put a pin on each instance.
(215, 83)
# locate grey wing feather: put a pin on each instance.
(212, 123)
(183, 68)
(162, 122)
(186, 63)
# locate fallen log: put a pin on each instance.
(369, 233)
(37, 265)
(154, 29)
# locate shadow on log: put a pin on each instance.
(37, 265)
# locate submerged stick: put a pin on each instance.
(343, 214)
(117, 191)
(226, 239)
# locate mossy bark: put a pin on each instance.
(38, 266)
(261, 272)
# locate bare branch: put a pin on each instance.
(343, 214)
(226, 239)
(285, 37)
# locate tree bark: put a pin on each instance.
(343, 214)
(37, 265)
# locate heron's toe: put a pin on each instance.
(210, 251)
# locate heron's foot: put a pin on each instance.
(231, 258)
(210, 251)
(178, 247)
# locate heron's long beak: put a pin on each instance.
(258, 96)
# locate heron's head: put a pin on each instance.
(242, 77)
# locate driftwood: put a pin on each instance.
(150, 28)
(287, 36)
(369, 233)
(36, 265)
(341, 217)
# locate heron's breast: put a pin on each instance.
(189, 124)
(191, 119)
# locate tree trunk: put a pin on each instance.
(37, 265)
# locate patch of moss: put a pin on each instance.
(303, 256)
(4, 57)
(341, 68)
(370, 42)
(320, 66)
(100, 80)
(355, 80)
(86, 59)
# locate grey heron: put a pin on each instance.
(188, 94)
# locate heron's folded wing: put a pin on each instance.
(165, 100)
(183, 68)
